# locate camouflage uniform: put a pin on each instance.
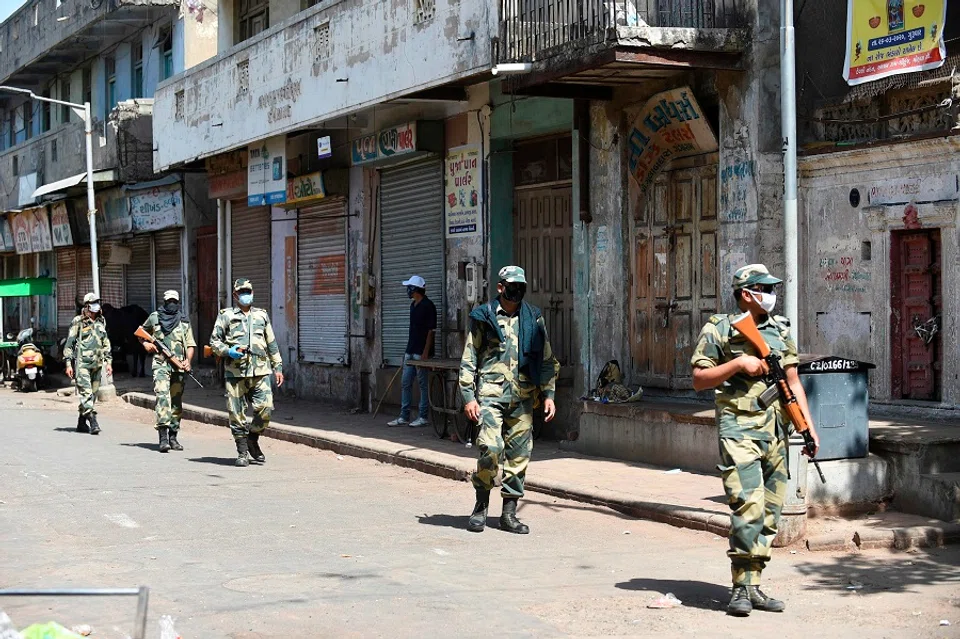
(247, 378)
(751, 445)
(169, 382)
(88, 344)
(489, 374)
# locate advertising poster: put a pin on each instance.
(889, 37)
(463, 200)
(267, 172)
(60, 223)
(21, 233)
(40, 237)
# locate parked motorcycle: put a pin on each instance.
(31, 372)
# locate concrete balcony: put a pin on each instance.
(40, 41)
(324, 63)
(585, 48)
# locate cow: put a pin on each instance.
(121, 324)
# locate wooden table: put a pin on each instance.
(446, 402)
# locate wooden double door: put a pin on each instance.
(674, 275)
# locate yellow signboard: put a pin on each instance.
(889, 37)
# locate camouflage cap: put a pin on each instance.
(242, 283)
(752, 274)
(90, 298)
(513, 274)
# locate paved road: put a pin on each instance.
(313, 545)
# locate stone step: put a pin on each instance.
(937, 495)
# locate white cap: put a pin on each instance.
(417, 281)
(171, 295)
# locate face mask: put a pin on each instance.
(514, 292)
(410, 291)
(767, 301)
(94, 308)
(171, 307)
(245, 299)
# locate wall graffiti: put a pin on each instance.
(843, 275)
(737, 183)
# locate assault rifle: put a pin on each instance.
(166, 352)
(778, 380)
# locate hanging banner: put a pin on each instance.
(156, 208)
(60, 225)
(670, 125)
(21, 233)
(267, 172)
(890, 37)
(463, 198)
(7, 232)
(40, 238)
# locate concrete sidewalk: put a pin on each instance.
(672, 496)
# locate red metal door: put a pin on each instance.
(916, 305)
(207, 303)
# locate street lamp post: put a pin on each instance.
(83, 110)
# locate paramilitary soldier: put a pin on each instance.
(507, 366)
(86, 352)
(752, 439)
(168, 325)
(244, 336)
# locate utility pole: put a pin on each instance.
(788, 116)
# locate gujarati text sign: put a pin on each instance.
(463, 202)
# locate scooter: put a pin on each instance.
(31, 372)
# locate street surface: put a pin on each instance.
(316, 545)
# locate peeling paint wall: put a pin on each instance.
(282, 80)
(846, 300)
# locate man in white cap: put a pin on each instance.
(423, 324)
(168, 324)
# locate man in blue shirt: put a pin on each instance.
(423, 324)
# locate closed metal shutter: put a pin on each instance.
(411, 205)
(66, 289)
(250, 250)
(322, 282)
(139, 273)
(111, 279)
(169, 272)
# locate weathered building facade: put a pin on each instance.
(111, 55)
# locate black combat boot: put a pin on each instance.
(174, 444)
(253, 442)
(478, 518)
(762, 602)
(243, 458)
(164, 439)
(508, 518)
(740, 604)
(94, 426)
(82, 426)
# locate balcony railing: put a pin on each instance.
(534, 29)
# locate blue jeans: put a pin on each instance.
(406, 396)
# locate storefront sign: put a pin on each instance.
(670, 125)
(113, 213)
(330, 275)
(227, 163)
(462, 189)
(21, 233)
(931, 188)
(156, 208)
(60, 225)
(7, 232)
(227, 185)
(398, 141)
(364, 150)
(306, 188)
(267, 172)
(40, 236)
(890, 37)
(324, 149)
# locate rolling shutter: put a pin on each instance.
(139, 273)
(66, 289)
(169, 273)
(322, 284)
(411, 205)
(250, 250)
(111, 279)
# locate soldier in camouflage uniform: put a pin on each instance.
(86, 352)
(507, 366)
(244, 336)
(752, 439)
(168, 325)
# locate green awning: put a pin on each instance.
(27, 287)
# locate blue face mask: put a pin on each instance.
(245, 299)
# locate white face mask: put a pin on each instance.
(767, 301)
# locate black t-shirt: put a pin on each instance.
(423, 319)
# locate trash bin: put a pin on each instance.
(838, 393)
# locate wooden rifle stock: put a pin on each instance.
(166, 352)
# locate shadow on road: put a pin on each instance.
(70, 429)
(693, 594)
(143, 445)
(898, 574)
(218, 461)
(446, 521)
